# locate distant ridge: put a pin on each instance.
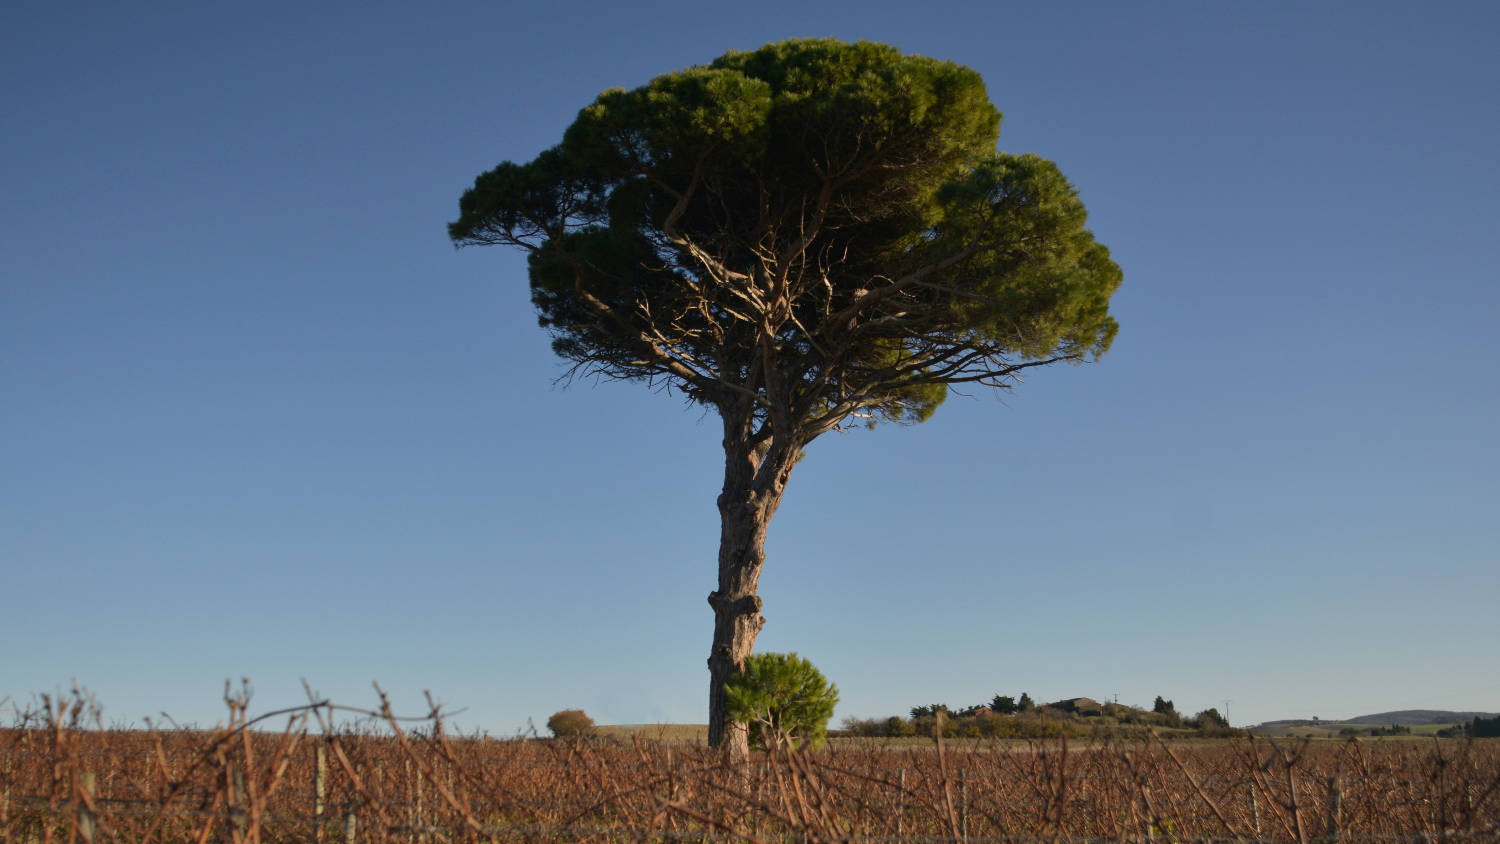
(1418, 717)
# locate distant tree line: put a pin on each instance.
(1389, 730)
(1480, 727)
(1021, 717)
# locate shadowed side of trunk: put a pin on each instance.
(755, 477)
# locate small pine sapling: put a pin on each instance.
(782, 698)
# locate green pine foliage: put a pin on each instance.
(841, 208)
(782, 698)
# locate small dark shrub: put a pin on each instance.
(1004, 704)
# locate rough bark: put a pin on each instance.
(755, 475)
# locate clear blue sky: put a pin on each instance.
(258, 418)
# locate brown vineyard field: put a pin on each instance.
(300, 775)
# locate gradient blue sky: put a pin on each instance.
(260, 419)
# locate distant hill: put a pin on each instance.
(1418, 717)
(1421, 721)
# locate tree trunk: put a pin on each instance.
(755, 476)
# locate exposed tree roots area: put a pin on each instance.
(322, 773)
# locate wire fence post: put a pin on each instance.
(901, 806)
(349, 828)
(239, 815)
(1254, 810)
(320, 789)
(83, 814)
(5, 802)
(1148, 813)
(1296, 807)
(1335, 808)
(421, 816)
(963, 803)
(411, 818)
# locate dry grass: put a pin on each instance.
(685, 733)
(384, 779)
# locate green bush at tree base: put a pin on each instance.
(782, 698)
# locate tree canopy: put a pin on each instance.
(815, 230)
